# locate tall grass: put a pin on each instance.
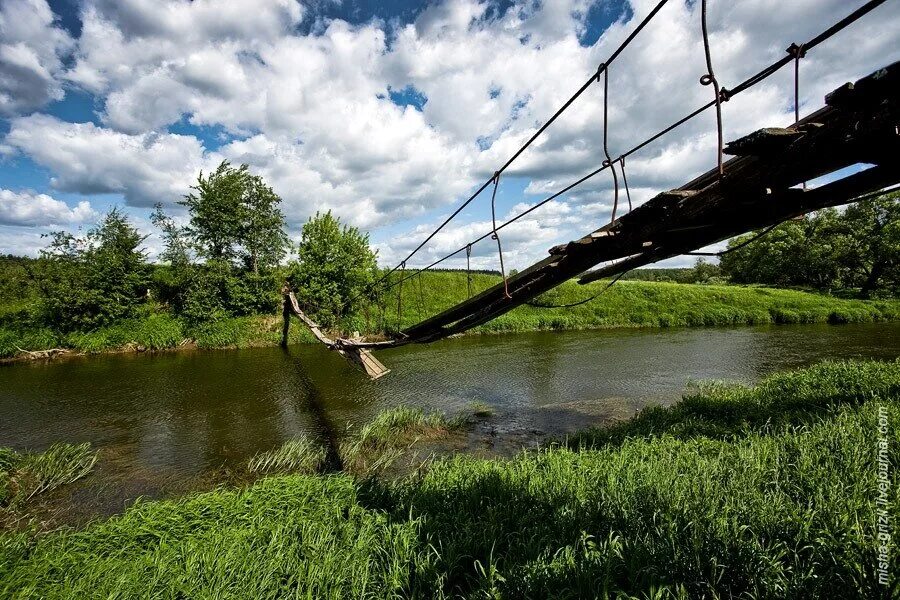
(300, 455)
(290, 536)
(377, 444)
(23, 476)
(664, 507)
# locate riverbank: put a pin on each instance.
(766, 491)
(628, 304)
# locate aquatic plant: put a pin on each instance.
(300, 455)
(381, 441)
(23, 476)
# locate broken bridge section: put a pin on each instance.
(759, 188)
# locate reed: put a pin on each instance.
(24, 476)
(300, 455)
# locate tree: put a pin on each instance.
(91, 281)
(215, 209)
(856, 248)
(334, 268)
(238, 230)
(234, 216)
(869, 244)
(261, 231)
(702, 272)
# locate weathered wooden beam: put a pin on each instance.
(353, 352)
(752, 194)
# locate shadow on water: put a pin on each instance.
(328, 434)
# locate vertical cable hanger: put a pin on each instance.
(608, 161)
(400, 297)
(494, 235)
(796, 51)
(469, 268)
(421, 295)
(710, 79)
(625, 181)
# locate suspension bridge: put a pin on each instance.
(760, 187)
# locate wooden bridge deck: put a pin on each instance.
(859, 124)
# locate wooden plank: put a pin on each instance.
(707, 209)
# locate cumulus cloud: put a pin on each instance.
(31, 52)
(30, 209)
(146, 168)
(313, 113)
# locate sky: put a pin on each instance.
(390, 113)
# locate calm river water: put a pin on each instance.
(170, 417)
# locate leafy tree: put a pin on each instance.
(869, 244)
(261, 232)
(236, 227)
(235, 216)
(703, 272)
(856, 248)
(334, 267)
(215, 209)
(94, 280)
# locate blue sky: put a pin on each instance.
(388, 113)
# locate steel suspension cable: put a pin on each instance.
(625, 181)
(536, 134)
(494, 235)
(580, 302)
(608, 161)
(797, 52)
(400, 297)
(725, 94)
(469, 268)
(710, 79)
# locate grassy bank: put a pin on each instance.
(763, 492)
(626, 304)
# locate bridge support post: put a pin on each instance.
(286, 314)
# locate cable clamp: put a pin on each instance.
(796, 51)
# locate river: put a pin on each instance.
(164, 421)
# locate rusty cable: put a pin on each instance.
(580, 302)
(400, 297)
(421, 295)
(469, 268)
(608, 162)
(725, 95)
(710, 79)
(495, 236)
(797, 51)
(765, 231)
(625, 181)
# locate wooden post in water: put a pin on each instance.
(286, 313)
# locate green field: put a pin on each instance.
(626, 304)
(763, 492)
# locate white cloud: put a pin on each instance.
(31, 51)
(30, 209)
(312, 113)
(146, 168)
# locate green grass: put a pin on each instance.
(626, 304)
(777, 501)
(300, 455)
(637, 304)
(376, 445)
(24, 476)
